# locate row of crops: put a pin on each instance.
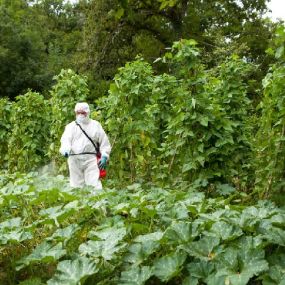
(52, 234)
(197, 159)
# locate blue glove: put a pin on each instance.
(64, 152)
(102, 162)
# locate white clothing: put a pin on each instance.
(82, 107)
(83, 168)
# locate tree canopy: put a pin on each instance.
(40, 37)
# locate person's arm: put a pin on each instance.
(65, 141)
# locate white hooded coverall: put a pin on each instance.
(83, 168)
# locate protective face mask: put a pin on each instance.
(81, 119)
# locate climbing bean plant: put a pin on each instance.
(185, 125)
(69, 89)
(5, 127)
(29, 136)
(269, 142)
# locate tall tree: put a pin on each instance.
(117, 30)
(21, 50)
(38, 39)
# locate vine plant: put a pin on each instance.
(69, 89)
(29, 137)
(270, 148)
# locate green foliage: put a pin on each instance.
(38, 39)
(269, 142)
(131, 121)
(134, 235)
(29, 137)
(188, 125)
(5, 128)
(21, 50)
(73, 272)
(69, 89)
(116, 31)
(41, 37)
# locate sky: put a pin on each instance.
(278, 9)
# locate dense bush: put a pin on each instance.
(189, 125)
(5, 128)
(269, 143)
(29, 136)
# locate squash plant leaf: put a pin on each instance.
(156, 236)
(105, 249)
(17, 235)
(10, 224)
(225, 231)
(204, 248)
(135, 276)
(169, 266)
(276, 272)
(238, 266)
(181, 232)
(64, 234)
(200, 269)
(72, 272)
(114, 234)
(190, 281)
(276, 236)
(44, 252)
(138, 252)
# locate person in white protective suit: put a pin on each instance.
(76, 144)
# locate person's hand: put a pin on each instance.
(65, 153)
(102, 162)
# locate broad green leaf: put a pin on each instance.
(65, 233)
(119, 13)
(181, 232)
(156, 236)
(276, 272)
(73, 272)
(279, 52)
(57, 212)
(169, 266)
(200, 269)
(225, 189)
(278, 219)
(17, 235)
(11, 223)
(113, 233)
(275, 275)
(72, 205)
(105, 249)
(44, 252)
(205, 249)
(138, 252)
(135, 276)
(204, 121)
(225, 231)
(275, 236)
(238, 266)
(190, 281)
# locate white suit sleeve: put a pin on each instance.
(65, 140)
(104, 144)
